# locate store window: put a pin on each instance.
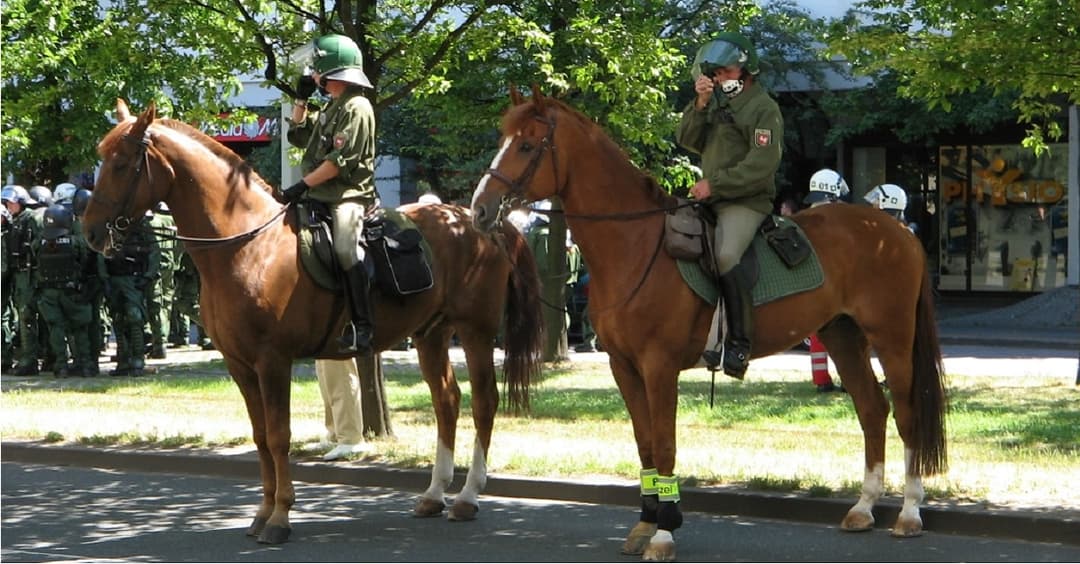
(1004, 219)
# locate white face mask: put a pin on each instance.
(731, 88)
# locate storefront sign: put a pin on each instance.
(263, 129)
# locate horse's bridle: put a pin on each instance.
(117, 228)
(516, 194)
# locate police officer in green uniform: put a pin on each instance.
(26, 236)
(186, 297)
(738, 130)
(10, 318)
(159, 294)
(339, 168)
(129, 271)
(61, 263)
(93, 287)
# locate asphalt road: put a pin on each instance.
(57, 513)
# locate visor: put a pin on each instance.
(716, 54)
(350, 75)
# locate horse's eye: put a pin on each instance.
(526, 147)
(119, 165)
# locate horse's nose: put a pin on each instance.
(95, 236)
(480, 215)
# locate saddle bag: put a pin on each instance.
(785, 241)
(401, 267)
(684, 234)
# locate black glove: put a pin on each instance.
(293, 193)
(305, 87)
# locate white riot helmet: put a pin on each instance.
(888, 197)
(826, 185)
(64, 193)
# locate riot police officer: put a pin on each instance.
(61, 263)
(127, 273)
(159, 293)
(27, 217)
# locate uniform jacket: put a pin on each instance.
(344, 134)
(740, 147)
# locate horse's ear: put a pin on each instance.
(148, 115)
(122, 112)
(515, 95)
(538, 97)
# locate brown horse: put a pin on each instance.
(876, 294)
(263, 310)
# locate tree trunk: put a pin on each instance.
(375, 410)
(554, 289)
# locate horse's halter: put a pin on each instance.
(516, 194)
(119, 226)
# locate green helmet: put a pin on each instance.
(338, 58)
(724, 50)
(57, 222)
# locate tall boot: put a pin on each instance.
(739, 308)
(356, 338)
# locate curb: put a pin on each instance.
(1052, 526)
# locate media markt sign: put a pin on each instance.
(260, 129)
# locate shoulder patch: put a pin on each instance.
(339, 141)
(762, 137)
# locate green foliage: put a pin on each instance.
(1024, 51)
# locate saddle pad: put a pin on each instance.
(775, 279)
(323, 275)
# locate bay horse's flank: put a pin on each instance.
(876, 297)
(263, 310)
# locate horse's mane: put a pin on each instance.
(220, 151)
(518, 115)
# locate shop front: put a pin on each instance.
(1003, 218)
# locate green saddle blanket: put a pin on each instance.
(775, 280)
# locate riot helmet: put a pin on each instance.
(42, 195)
(826, 185)
(80, 201)
(336, 57)
(57, 221)
(724, 50)
(64, 192)
(888, 197)
(19, 195)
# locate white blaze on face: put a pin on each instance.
(482, 185)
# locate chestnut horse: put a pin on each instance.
(262, 309)
(876, 295)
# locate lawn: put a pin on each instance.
(1012, 441)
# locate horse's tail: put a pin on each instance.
(929, 403)
(523, 337)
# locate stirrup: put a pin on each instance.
(355, 342)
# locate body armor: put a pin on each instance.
(55, 263)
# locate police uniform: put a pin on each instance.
(739, 135)
(10, 318)
(159, 294)
(61, 264)
(27, 238)
(128, 272)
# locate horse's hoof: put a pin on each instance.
(906, 529)
(659, 552)
(462, 511)
(857, 522)
(428, 508)
(638, 538)
(256, 526)
(274, 534)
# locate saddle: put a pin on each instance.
(780, 261)
(397, 256)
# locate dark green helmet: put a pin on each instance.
(80, 201)
(724, 50)
(338, 58)
(57, 221)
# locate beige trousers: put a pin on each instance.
(339, 382)
(735, 229)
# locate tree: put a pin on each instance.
(1024, 50)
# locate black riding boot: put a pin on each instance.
(356, 338)
(739, 307)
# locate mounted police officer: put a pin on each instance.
(738, 130)
(27, 218)
(61, 264)
(129, 271)
(339, 168)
